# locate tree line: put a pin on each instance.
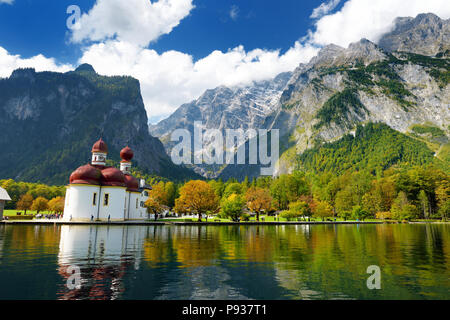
(421, 192)
(34, 196)
(396, 193)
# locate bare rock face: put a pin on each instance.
(239, 107)
(426, 34)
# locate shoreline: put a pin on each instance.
(183, 223)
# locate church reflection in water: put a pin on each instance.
(103, 255)
(161, 262)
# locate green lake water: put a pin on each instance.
(225, 262)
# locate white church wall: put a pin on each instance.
(114, 208)
(79, 203)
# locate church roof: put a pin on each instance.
(4, 195)
(100, 146)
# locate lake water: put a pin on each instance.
(225, 262)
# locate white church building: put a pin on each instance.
(100, 193)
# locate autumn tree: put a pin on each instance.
(56, 205)
(197, 197)
(258, 200)
(153, 207)
(443, 199)
(159, 194)
(25, 202)
(39, 204)
(309, 200)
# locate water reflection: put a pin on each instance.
(225, 262)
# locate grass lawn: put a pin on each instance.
(13, 213)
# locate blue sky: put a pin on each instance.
(36, 27)
(177, 49)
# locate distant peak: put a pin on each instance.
(85, 67)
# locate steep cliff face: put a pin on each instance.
(50, 120)
(240, 107)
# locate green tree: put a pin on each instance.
(296, 209)
(171, 193)
(359, 213)
(323, 210)
(402, 209)
(232, 188)
(424, 203)
(232, 207)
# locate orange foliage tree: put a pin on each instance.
(40, 204)
(25, 202)
(56, 205)
(197, 197)
(258, 200)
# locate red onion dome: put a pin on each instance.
(100, 146)
(86, 175)
(126, 154)
(132, 183)
(113, 177)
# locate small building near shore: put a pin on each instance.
(4, 196)
(98, 192)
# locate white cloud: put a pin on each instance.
(234, 12)
(135, 21)
(6, 1)
(8, 63)
(324, 8)
(370, 19)
(173, 78)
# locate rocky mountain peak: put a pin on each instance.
(361, 52)
(426, 34)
